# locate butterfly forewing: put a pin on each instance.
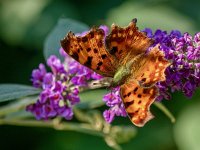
(90, 51)
(137, 101)
(122, 41)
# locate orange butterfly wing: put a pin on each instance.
(90, 51)
(152, 69)
(140, 91)
(122, 41)
(137, 101)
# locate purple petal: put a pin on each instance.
(108, 115)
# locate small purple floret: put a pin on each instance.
(56, 98)
(113, 100)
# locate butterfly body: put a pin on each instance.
(127, 68)
(123, 56)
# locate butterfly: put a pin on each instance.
(123, 56)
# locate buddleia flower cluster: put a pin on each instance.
(60, 86)
(183, 51)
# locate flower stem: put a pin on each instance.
(56, 124)
(165, 111)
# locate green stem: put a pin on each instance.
(165, 111)
(56, 124)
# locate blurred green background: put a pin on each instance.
(25, 24)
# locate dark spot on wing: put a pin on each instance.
(100, 63)
(88, 63)
(160, 58)
(95, 50)
(143, 79)
(129, 94)
(145, 91)
(98, 68)
(113, 50)
(100, 44)
(75, 56)
(103, 56)
(135, 90)
(119, 39)
(88, 49)
(92, 34)
(78, 40)
(131, 114)
(137, 111)
(139, 96)
(84, 39)
(127, 104)
(139, 102)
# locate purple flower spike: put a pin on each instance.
(184, 53)
(113, 101)
(96, 76)
(38, 75)
(149, 32)
(55, 99)
(73, 97)
(62, 52)
(79, 80)
(66, 112)
(108, 116)
(56, 65)
(48, 80)
(44, 96)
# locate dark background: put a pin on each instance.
(25, 24)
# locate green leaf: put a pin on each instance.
(91, 98)
(14, 91)
(52, 42)
(18, 105)
(21, 114)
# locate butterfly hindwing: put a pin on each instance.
(152, 69)
(89, 50)
(122, 41)
(137, 101)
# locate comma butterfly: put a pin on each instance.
(123, 56)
